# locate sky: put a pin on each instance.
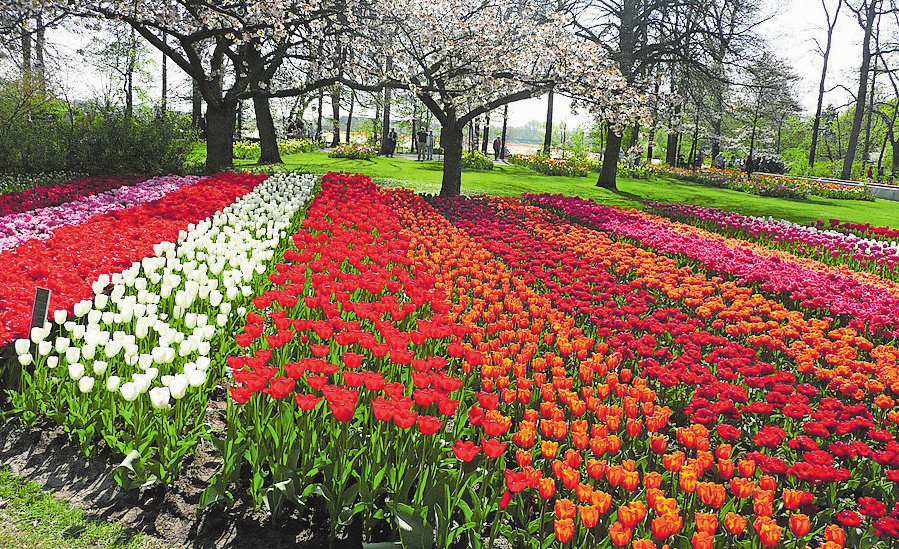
(790, 33)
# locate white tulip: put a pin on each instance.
(112, 383)
(108, 317)
(62, 343)
(39, 334)
(99, 368)
(25, 359)
(73, 354)
(196, 378)
(144, 361)
(94, 316)
(88, 352)
(221, 320)
(60, 316)
(129, 390)
(85, 384)
(178, 386)
(44, 348)
(202, 363)
(22, 346)
(100, 301)
(52, 362)
(159, 397)
(76, 370)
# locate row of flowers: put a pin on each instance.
(867, 306)
(44, 197)
(354, 151)
(864, 230)
(105, 243)
(250, 149)
(766, 185)
(40, 223)
(577, 258)
(828, 246)
(10, 183)
(135, 366)
(571, 167)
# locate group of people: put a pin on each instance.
(424, 145)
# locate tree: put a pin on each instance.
(825, 53)
(464, 59)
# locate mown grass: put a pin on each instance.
(30, 518)
(424, 177)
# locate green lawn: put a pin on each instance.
(30, 518)
(425, 177)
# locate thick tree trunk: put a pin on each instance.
(548, 135)
(895, 170)
(451, 141)
(385, 121)
(268, 137)
(39, 47)
(26, 53)
(610, 161)
(861, 98)
(671, 148)
(220, 118)
(196, 112)
(349, 115)
(335, 117)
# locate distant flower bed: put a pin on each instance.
(642, 171)
(250, 149)
(473, 160)
(10, 183)
(763, 185)
(572, 167)
(353, 151)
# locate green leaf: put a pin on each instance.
(414, 532)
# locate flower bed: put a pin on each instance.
(250, 149)
(44, 197)
(353, 151)
(571, 167)
(474, 160)
(830, 247)
(136, 364)
(40, 223)
(446, 372)
(10, 183)
(764, 185)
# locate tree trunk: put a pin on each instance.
(220, 118)
(129, 75)
(652, 137)
(671, 148)
(486, 135)
(196, 112)
(610, 160)
(268, 137)
(26, 53)
(165, 81)
(895, 159)
(238, 127)
(716, 141)
(335, 116)
(502, 153)
(349, 116)
(385, 121)
(318, 121)
(548, 135)
(861, 98)
(869, 115)
(39, 47)
(817, 123)
(451, 141)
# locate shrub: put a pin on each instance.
(247, 150)
(474, 160)
(572, 167)
(353, 151)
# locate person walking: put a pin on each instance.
(422, 144)
(431, 145)
(497, 148)
(391, 142)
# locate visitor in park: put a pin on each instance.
(747, 165)
(431, 145)
(391, 143)
(497, 148)
(719, 161)
(870, 173)
(422, 144)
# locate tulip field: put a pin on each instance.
(544, 370)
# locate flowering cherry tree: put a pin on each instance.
(463, 59)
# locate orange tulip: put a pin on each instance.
(711, 494)
(564, 529)
(794, 498)
(741, 487)
(835, 534)
(631, 480)
(746, 467)
(652, 480)
(767, 530)
(768, 482)
(584, 492)
(615, 475)
(703, 540)
(735, 523)
(666, 505)
(688, 480)
(549, 448)
(658, 444)
(628, 516)
(546, 487)
(565, 509)
(596, 468)
(674, 461)
(665, 525)
(620, 534)
(643, 544)
(706, 522)
(799, 524)
(723, 451)
(589, 515)
(725, 468)
(601, 500)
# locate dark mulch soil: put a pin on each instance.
(45, 455)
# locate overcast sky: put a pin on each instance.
(790, 33)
